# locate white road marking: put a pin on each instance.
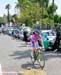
(0, 70)
(10, 72)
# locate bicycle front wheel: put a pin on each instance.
(41, 59)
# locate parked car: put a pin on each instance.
(48, 34)
(28, 29)
(10, 31)
(16, 33)
(0, 30)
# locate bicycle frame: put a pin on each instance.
(39, 57)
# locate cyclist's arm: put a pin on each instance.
(33, 41)
(42, 43)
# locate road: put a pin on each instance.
(14, 56)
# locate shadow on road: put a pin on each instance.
(25, 45)
(21, 54)
(51, 54)
(30, 66)
(27, 53)
(27, 66)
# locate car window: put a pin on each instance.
(45, 33)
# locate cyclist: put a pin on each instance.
(36, 41)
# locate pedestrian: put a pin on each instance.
(25, 39)
(23, 25)
(57, 41)
(37, 26)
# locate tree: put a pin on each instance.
(41, 2)
(8, 8)
(56, 18)
(51, 11)
(30, 12)
(33, 10)
(1, 20)
(59, 19)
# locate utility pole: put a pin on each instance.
(42, 4)
(53, 12)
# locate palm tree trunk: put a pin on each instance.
(8, 16)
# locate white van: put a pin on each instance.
(48, 34)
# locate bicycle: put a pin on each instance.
(39, 57)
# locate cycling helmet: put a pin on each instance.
(36, 31)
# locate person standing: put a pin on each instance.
(25, 39)
(37, 26)
(57, 41)
(23, 25)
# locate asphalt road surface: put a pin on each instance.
(14, 56)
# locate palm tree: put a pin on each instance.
(8, 8)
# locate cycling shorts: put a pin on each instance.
(36, 44)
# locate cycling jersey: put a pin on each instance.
(34, 40)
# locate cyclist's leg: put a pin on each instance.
(33, 45)
(37, 48)
(34, 49)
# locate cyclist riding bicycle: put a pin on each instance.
(36, 41)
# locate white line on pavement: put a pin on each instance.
(0, 70)
(10, 72)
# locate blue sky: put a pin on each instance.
(3, 4)
(12, 3)
(58, 3)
